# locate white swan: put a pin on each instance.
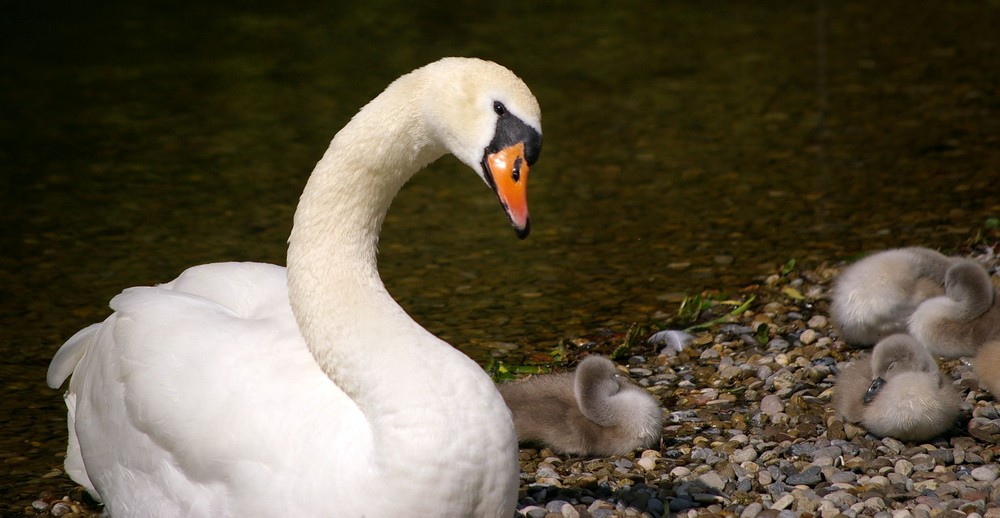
(873, 297)
(591, 412)
(897, 392)
(213, 396)
(968, 315)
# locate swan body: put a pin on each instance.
(957, 323)
(897, 392)
(593, 411)
(246, 389)
(873, 297)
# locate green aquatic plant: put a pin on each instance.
(738, 308)
(501, 371)
(787, 267)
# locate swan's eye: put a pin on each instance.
(499, 108)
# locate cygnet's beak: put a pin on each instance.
(873, 390)
(507, 173)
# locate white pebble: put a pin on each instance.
(783, 502)
(987, 473)
(680, 472)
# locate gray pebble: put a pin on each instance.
(712, 480)
(771, 405)
(987, 473)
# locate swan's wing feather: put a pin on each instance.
(165, 378)
(69, 355)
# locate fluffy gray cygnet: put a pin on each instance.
(873, 297)
(593, 411)
(964, 318)
(986, 367)
(897, 392)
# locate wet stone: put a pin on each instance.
(987, 473)
(810, 477)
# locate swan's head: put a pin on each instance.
(895, 355)
(486, 116)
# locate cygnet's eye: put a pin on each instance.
(499, 108)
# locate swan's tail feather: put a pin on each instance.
(65, 360)
(74, 459)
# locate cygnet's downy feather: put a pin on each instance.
(957, 323)
(873, 297)
(594, 411)
(898, 391)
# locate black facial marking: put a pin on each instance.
(873, 390)
(510, 130)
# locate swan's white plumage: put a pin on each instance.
(248, 389)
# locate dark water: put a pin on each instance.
(688, 146)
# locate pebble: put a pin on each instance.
(810, 477)
(712, 480)
(771, 405)
(987, 473)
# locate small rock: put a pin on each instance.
(60, 509)
(903, 467)
(771, 405)
(752, 511)
(810, 477)
(922, 462)
(713, 480)
(681, 502)
(808, 336)
(680, 472)
(817, 322)
(984, 429)
(779, 344)
(987, 473)
(783, 502)
(744, 455)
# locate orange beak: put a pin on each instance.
(508, 170)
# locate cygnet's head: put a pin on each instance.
(908, 398)
(595, 382)
(968, 283)
(610, 400)
(894, 355)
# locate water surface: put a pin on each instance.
(688, 146)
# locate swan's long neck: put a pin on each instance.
(349, 321)
(413, 389)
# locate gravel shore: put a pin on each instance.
(750, 430)
(749, 427)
